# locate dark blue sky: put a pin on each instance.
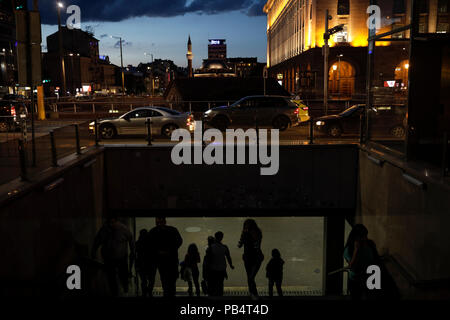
(161, 27)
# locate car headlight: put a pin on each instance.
(208, 112)
(92, 124)
(320, 123)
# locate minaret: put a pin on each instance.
(189, 57)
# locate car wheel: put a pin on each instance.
(107, 131)
(281, 123)
(335, 131)
(220, 123)
(168, 129)
(398, 132)
(4, 127)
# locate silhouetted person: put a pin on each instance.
(274, 272)
(219, 254)
(114, 239)
(251, 238)
(206, 265)
(162, 243)
(141, 260)
(359, 252)
(191, 272)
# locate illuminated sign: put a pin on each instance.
(389, 83)
(216, 42)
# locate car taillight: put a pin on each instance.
(296, 111)
(13, 111)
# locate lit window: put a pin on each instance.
(443, 6)
(343, 7)
(399, 7)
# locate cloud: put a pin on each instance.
(124, 44)
(256, 9)
(118, 10)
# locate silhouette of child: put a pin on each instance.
(274, 272)
(190, 272)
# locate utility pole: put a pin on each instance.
(121, 67)
(28, 36)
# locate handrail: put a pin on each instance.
(345, 269)
(411, 279)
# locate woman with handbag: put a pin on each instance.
(253, 257)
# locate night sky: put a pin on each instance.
(161, 27)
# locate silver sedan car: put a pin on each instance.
(163, 122)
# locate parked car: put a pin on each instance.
(11, 115)
(273, 111)
(163, 122)
(386, 119)
(303, 110)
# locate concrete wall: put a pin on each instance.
(42, 232)
(408, 222)
(309, 177)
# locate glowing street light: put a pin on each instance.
(60, 5)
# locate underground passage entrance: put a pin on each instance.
(298, 239)
(301, 212)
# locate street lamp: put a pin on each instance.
(59, 6)
(151, 72)
(326, 37)
(149, 54)
(339, 75)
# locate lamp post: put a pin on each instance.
(59, 6)
(151, 71)
(326, 51)
(339, 75)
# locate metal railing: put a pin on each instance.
(17, 158)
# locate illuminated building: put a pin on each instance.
(295, 39)
(87, 70)
(217, 49)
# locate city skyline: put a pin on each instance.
(166, 37)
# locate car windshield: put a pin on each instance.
(349, 111)
(169, 111)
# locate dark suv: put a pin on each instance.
(11, 114)
(267, 111)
